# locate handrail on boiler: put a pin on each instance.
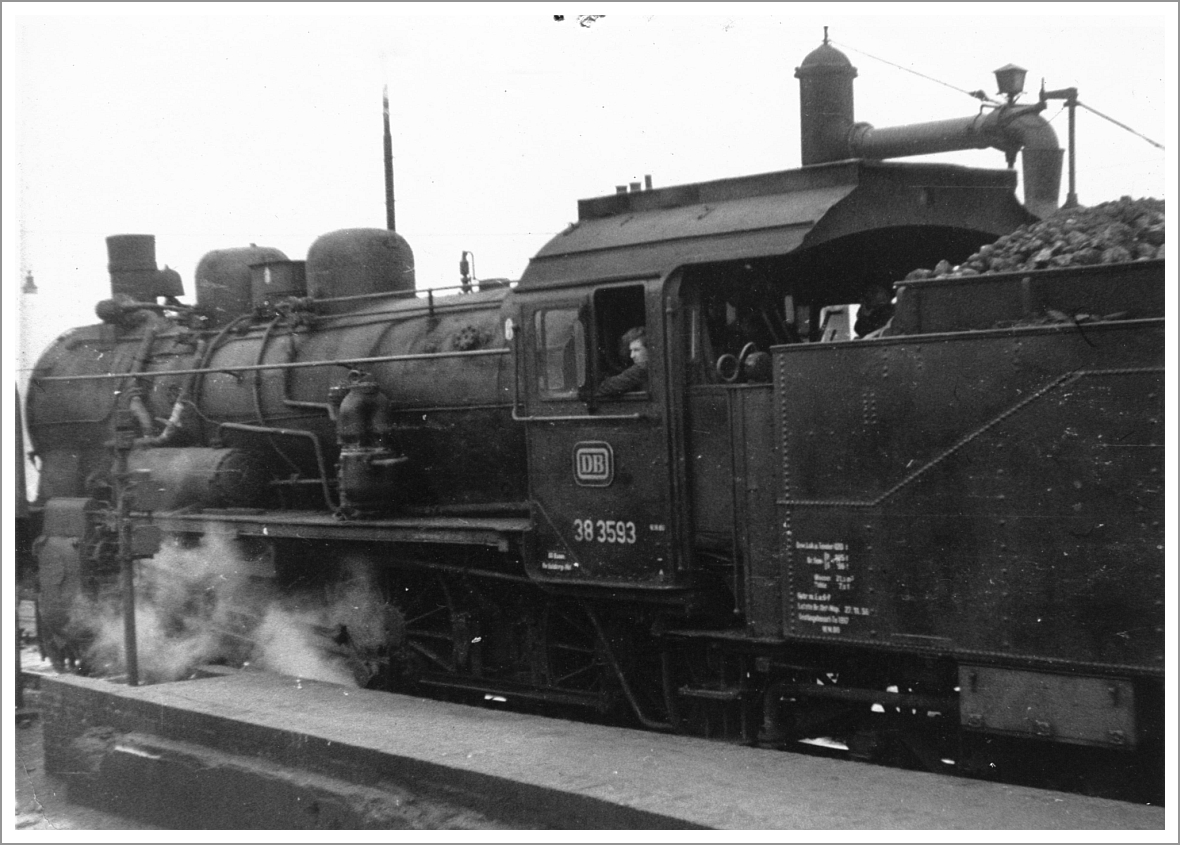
(294, 365)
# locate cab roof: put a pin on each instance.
(644, 234)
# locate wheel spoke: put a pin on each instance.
(572, 650)
(583, 670)
(426, 614)
(431, 656)
(577, 649)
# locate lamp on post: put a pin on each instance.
(1010, 81)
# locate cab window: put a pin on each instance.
(561, 353)
(620, 316)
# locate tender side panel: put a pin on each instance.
(995, 493)
(963, 304)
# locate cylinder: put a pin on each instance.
(825, 104)
(1041, 169)
(937, 136)
(196, 477)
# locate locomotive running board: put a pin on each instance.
(497, 532)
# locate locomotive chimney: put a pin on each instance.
(132, 265)
(829, 131)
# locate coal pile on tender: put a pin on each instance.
(1110, 233)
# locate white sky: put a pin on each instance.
(219, 125)
(214, 126)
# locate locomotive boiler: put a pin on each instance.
(942, 542)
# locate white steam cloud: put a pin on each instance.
(204, 605)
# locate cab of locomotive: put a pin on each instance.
(666, 490)
(643, 486)
(592, 392)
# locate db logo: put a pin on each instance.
(594, 464)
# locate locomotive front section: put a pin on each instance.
(306, 411)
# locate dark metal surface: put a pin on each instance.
(223, 280)
(826, 113)
(132, 265)
(496, 532)
(355, 262)
(274, 281)
(1064, 708)
(444, 362)
(772, 214)
(64, 572)
(171, 479)
(963, 304)
(612, 526)
(390, 217)
(1000, 490)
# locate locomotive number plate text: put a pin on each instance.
(603, 531)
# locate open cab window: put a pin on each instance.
(620, 320)
(586, 350)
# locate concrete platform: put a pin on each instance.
(255, 750)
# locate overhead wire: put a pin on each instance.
(980, 95)
(1120, 125)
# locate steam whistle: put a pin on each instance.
(466, 270)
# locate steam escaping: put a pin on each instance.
(283, 646)
(213, 604)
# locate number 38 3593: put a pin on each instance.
(603, 531)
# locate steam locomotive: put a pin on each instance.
(944, 541)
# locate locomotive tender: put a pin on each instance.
(954, 526)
